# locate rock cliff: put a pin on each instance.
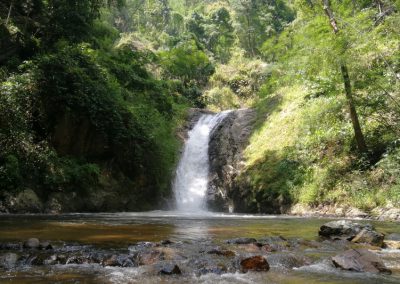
(227, 142)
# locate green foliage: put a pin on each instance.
(307, 119)
(10, 175)
(236, 83)
(259, 19)
(78, 111)
(187, 62)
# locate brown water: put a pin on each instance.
(119, 230)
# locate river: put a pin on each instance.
(190, 235)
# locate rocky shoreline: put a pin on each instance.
(333, 211)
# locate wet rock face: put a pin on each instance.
(227, 143)
(192, 118)
(360, 260)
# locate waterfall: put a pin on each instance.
(191, 177)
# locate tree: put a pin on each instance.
(358, 134)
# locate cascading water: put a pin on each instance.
(191, 178)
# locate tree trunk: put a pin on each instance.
(379, 4)
(358, 134)
(362, 147)
(9, 12)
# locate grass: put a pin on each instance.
(302, 151)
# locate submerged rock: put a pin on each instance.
(342, 229)
(150, 257)
(241, 241)
(170, 269)
(287, 260)
(8, 260)
(219, 269)
(360, 260)
(10, 246)
(222, 252)
(45, 246)
(254, 263)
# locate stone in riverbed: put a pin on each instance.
(218, 269)
(10, 246)
(222, 252)
(342, 229)
(32, 243)
(8, 260)
(45, 246)
(241, 241)
(111, 261)
(254, 263)
(170, 269)
(360, 260)
(51, 260)
(368, 236)
(250, 248)
(150, 257)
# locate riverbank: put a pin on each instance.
(378, 213)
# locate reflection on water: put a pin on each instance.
(125, 228)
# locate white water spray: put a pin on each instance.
(191, 179)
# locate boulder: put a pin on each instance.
(8, 260)
(342, 229)
(360, 260)
(392, 241)
(170, 269)
(26, 201)
(32, 243)
(254, 263)
(368, 236)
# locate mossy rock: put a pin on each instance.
(26, 201)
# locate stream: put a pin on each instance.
(190, 237)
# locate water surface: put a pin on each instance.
(119, 230)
